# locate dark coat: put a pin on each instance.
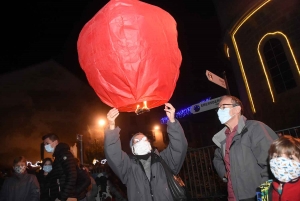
(131, 172)
(23, 187)
(82, 184)
(64, 174)
(44, 182)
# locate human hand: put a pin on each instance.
(111, 117)
(170, 112)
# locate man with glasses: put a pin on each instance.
(242, 153)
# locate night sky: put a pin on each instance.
(36, 31)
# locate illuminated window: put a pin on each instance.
(279, 66)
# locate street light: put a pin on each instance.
(101, 122)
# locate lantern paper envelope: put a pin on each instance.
(129, 53)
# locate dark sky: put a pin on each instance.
(36, 31)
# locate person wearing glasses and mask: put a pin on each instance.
(241, 157)
(142, 173)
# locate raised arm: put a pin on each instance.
(117, 159)
(175, 152)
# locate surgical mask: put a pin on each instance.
(284, 169)
(49, 149)
(20, 169)
(224, 115)
(142, 147)
(47, 168)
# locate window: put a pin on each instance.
(278, 65)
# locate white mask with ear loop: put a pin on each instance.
(141, 147)
(224, 114)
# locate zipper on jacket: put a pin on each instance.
(244, 130)
(281, 191)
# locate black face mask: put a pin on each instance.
(143, 157)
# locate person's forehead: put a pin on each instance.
(139, 136)
(225, 100)
(21, 163)
(47, 140)
(47, 163)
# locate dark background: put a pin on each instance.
(36, 31)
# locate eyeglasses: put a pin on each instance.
(222, 107)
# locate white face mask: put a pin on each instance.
(142, 147)
(47, 168)
(49, 149)
(224, 115)
(284, 169)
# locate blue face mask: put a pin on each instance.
(224, 115)
(47, 168)
(49, 149)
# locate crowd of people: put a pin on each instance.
(61, 179)
(255, 163)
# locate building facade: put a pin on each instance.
(262, 41)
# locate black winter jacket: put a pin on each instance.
(44, 182)
(63, 175)
(82, 184)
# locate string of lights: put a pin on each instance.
(185, 112)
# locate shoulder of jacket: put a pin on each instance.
(66, 155)
(254, 122)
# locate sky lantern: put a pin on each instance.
(130, 55)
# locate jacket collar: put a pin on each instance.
(61, 147)
(220, 136)
(20, 176)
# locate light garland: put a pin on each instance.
(182, 113)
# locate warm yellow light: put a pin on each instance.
(101, 122)
(238, 53)
(156, 128)
(262, 63)
(145, 104)
(227, 51)
(95, 161)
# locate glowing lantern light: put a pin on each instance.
(29, 163)
(95, 161)
(103, 161)
(130, 55)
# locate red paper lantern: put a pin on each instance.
(130, 54)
